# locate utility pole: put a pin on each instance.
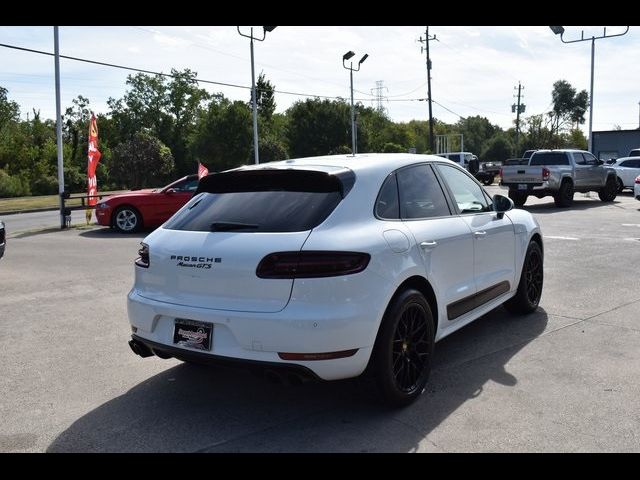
(519, 108)
(426, 40)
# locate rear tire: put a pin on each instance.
(529, 291)
(518, 198)
(609, 191)
(403, 349)
(564, 198)
(488, 181)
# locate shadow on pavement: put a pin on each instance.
(106, 232)
(579, 203)
(197, 408)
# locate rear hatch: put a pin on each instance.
(207, 254)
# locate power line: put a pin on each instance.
(207, 47)
(168, 75)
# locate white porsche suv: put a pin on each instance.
(330, 266)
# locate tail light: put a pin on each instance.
(545, 173)
(638, 179)
(143, 256)
(311, 264)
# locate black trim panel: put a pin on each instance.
(207, 358)
(460, 307)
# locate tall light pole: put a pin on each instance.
(345, 57)
(559, 30)
(254, 102)
(56, 63)
(426, 40)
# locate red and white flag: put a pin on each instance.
(93, 157)
(202, 171)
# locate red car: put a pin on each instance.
(129, 212)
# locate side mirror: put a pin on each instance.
(600, 162)
(501, 204)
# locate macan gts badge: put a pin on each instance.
(333, 267)
(195, 262)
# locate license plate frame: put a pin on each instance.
(192, 334)
(523, 186)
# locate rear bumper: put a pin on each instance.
(164, 351)
(259, 337)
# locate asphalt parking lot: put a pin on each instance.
(563, 379)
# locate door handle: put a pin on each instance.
(426, 245)
(480, 234)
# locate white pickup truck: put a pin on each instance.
(559, 173)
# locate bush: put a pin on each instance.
(13, 186)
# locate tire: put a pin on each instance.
(564, 197)
(609, 192)
(127, 220)
(518, 198)
(529, 291)
(488, 181)
(620, 185)
(403, 349)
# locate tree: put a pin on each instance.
(317, 127)
(569, 106)
(142, 161)
(497, 149)
(264, 97)
(9, 110)
(476, 132)
(223, 136)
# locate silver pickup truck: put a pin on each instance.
(559, 173)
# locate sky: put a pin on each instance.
(475, 70)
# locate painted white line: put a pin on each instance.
(631, 224)
(561, 238)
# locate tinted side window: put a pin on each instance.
(549, 158)
(626, 163)
(591, 159)
(186, 186)
(468, 194)
(633, 163)
(579, 158)
(387, 204)
(421, 195)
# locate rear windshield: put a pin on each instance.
(551, 158)
(262, 201)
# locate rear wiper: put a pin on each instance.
(228, 226)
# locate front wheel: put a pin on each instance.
(403, 350)
(127, 220)
(488, 181)
(529, 291)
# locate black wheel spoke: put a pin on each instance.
(410, 347)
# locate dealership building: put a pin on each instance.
(615, 143)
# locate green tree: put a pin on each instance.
(223, 136)
(569, 106)
(143, 161)
(264, 97)
(497, 149)
(9, 110)
(476, 132)
(317, 127)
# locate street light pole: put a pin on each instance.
(345, 57)
(559, 30)
(254, 97)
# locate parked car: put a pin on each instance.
(627, 169)
(3, 238)
(129, 212)
(636, 188)
(559, 173)
(324, 266)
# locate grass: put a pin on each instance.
(42, 201)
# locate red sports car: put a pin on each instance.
(130, 211)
